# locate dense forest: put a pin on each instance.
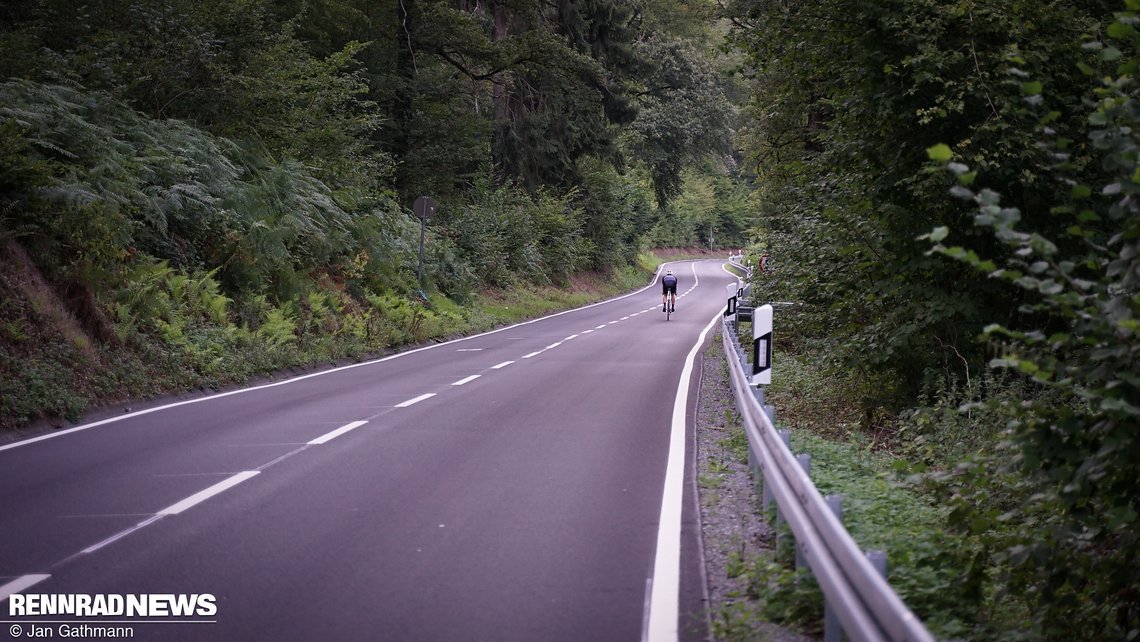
(197, 192)
(946, 191)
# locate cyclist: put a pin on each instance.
(668, 286)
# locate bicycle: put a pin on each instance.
(671, 299)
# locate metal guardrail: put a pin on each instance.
(857, 596)
(737, 261)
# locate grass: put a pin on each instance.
(926, 560)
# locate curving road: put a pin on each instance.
(532, 483)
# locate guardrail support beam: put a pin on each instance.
(878, 560)
(804, 460)
(832, 630)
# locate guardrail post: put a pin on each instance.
(758, 392)
(771, 412)
(766, 494)
(832, 630)
(786, 437)
(804, 460)
(878, 560)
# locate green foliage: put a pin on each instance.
(710, 212)
(683, 118)
(509, 234)
(840, 121)
(617, 214)
(1077, 446)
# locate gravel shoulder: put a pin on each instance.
(734, 531)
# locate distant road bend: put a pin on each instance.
(531, 483)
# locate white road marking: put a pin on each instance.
(469, 350)
(553, 345)
(573, 336)
(120, 535)
(203, 495)
(147, 411)
(329, 436)
(19, 584)
(415, 400)
(600, 327)
(466, 380)
(502, 365)
(664, 604)
(586, 331)
(533, 354)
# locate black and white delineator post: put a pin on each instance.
(733, 292)
(762, 345)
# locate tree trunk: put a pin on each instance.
(500, 100)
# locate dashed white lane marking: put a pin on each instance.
(203, 495)
(573, 336)
(502, 365)
(120, 535)
(466, 380)
(600, 327)
(469, 350)
(533, 354)
(613, 322)
(586, 331)
(553, 345)
(415, 400)
(329, 436)
(623, 318)
(19, 584)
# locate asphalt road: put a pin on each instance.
(533, 483)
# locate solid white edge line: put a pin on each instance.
(502, 365)
(466, 380)
(207, 493)
(664, 601)
(329, 436)
(415, 400)
(20, 583)
(147, 411)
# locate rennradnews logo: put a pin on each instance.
(149, 605)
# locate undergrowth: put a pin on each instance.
(890, 501)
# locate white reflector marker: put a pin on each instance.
(329, 436)
(203, 495)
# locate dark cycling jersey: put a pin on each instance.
(668, 284)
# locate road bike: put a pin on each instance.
(670, 300)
